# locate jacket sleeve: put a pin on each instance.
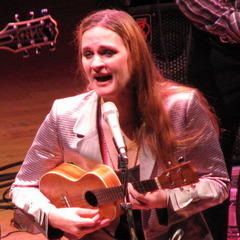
(44, 154)
(206, 156)
(213, 16)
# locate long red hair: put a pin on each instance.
(150, 87)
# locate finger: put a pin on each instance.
(89, 221)
(93, 222)
(133, 191)
(82, 230)
(87, 212)
(104, 222)
(136, 196)
(139, 205)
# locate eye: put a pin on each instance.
(87, 54)
(108, 52)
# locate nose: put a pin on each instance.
(97, 63)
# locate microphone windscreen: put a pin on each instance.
(109, 108)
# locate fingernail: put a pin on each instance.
(98, 222)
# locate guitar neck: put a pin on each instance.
(146, 185)
(177, 176)
(100, 197)
(23, 35)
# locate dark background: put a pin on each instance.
(28, 86)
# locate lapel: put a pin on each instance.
(88, 145)
(86, 129)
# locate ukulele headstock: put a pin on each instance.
(179, 175)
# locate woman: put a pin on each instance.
(161, 121)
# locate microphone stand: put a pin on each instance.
(126, 205)
(110, 115)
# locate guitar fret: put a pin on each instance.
(108, 195)
(139, 187)
(104, 196)
(145, 186)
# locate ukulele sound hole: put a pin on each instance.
(91, 198)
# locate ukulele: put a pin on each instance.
(68, 185)
(34, 33)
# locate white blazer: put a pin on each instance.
(69, 133)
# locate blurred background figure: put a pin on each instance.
(214, 68)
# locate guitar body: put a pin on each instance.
(67, 184)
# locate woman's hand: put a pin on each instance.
(149, 200)
(76, 221)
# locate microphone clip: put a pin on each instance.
(122, 161)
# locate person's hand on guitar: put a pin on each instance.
(149, 200)
(77, 221)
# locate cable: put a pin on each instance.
(6, 184)
(7, 176)
(6, 200)
(10, 233)
(11, 165)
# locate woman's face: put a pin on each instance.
(105, 61)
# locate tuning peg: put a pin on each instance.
(181, 159)
(31, 13)
(32, 41)
(38, 50)
(16, 16)
(26, 54)
(44, 11)
(52, 46)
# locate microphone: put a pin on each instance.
(111, 115)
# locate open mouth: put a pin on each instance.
(103, 78)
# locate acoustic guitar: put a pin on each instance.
(70, 186)
(34, 33)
